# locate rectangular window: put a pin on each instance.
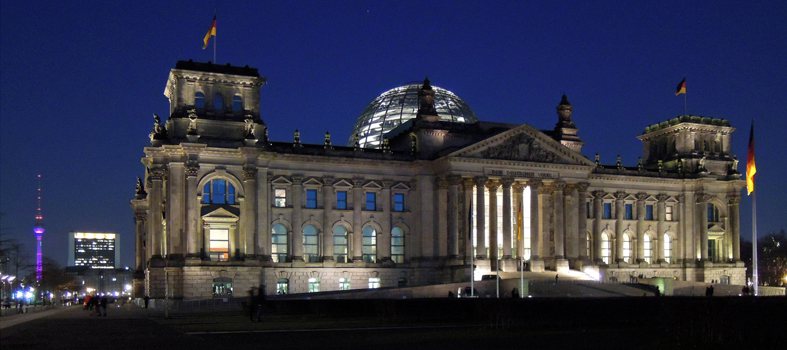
(668, 213)
(374, 282)
(398, 202)
(371, 201)
(344, 283)
(279, 198)
(219, 187)
(314, 285)
(648, 211)
(311, 199)
(607, 210)
(341, 200)
(629, 211)
(219, 244)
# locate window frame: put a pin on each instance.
(370, 205)
(218, 255)
(399, 202)
(607, 212)
(397, 248)
(369, 245)
(649, 211)
(341, 258)
(279, 201)
(341, 203)
(276, 255)
(229, 194)
(311, 203)
(311, 244)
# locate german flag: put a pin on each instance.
(751, 167)
(681, 87)
(211, 32)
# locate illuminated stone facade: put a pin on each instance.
(223, 208)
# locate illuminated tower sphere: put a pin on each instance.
(399, 105)
(38, 229)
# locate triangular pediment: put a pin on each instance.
(342, 184)
(523, 143)
(372, 185)
(312, 182)
(219, 213)
(401, 186)
(281, 180)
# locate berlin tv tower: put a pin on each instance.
(38, 229)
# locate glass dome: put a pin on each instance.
(399, 105)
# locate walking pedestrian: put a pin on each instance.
(260, 302)
(147, 300)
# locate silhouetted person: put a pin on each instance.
(103, 304)
(147, 300)
(515, 293)
(260, 302)
(556, 278)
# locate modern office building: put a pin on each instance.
(96, 250)
(422, 188)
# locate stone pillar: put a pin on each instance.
(328, 199)
(442, 217)
(139, 236)
(263, 216)
(582, 223)
(357, 234)
(620, 213)
(686, 224)
(174, 207)
(467, 231)
(545, 223)
(598, 201)
(480, 219)
(571, 222)
(506, 182)
(249, 212)
(519, 220)
(733, 205)
(702, 210)
(559, 221)
(535, 215)
(384, 238)
(640, 251)
(297, 218)
(660, 231)
(155, 218)
(192, 210)
(492, 185)
(453, 215)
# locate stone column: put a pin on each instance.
(263, 216)
(442, 217)
(598, 200)
(702, 210)
(467, 231)
(249, 212)
(545, 223)
(519, 219)
(328, 199)
(558, 207)
(685, 223)
(480, 219)
(155, 218)
(140, 257)
(535, 216)
(733, 205)
(660, 231)
(174, 207)
(582, 223)
(297, 218)
(453, 215)
(384, 238)
(641, 196)
(492, 185)
(506, 182)
(357, 235)
(192, 210)
(571, 222)
(620, 212)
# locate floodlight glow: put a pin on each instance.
(127, 287)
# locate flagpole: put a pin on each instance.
(685, 109)
(215, 39)
(754, 242)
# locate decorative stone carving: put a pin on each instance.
(703, 197)
(157, 173)
(442, 183)
(297, 179)
(546, 189)
(249, 127)
(426, 99)
(326, 144)
(597, 160)
(356, 143)
(328, 180)
(582, 187)
(386, 146)
(140, 191)
(599, 194)
(641, 196)
(507, 181)
(249, 173)
(480, 181)
(522, 147)
(492, 185)
(662, 197)
(387, 183)
(159, 131)
(619, 162)
(454, 179)
(559, 185)
(296, 139)
(620, 195)
(192, 128)
(192, 168)
(733, 199)
(358, 182)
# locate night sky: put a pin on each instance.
(80, 83)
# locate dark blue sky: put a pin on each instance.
(80, 83)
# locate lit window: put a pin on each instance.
(667, 248)
(314, 285)
(374, 282)
(311, 199)
(218, 191)
(648, 211)
(397, 245)
(279, 198)
(398, 202)
(648, 248)
(341, 200)
(279, 243)
(629, 211)
(344, 283)
(219, 245)
(606, 250)
(369, 245)
(607, 210)
(668, 213)
(310, 244)
(371, 201)
(282, 286)
(237, 104)
(626, 248)
(587, 244)
(218, 103)
(199, 101)
(340, 244)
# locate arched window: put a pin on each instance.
(667, 248)
(397, 245)
(310, 244)
(647, 248)
(340, 244)
(237, 104)
(369, 245)
(218, 191)
(626, 248)
(199, 101)
(218, 103)
(606, 249)
(279, 243)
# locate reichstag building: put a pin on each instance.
(421, 187)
